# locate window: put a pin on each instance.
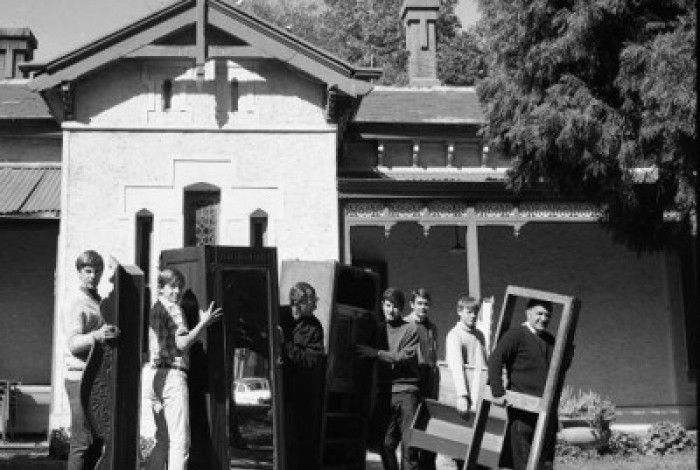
(201, 214)
(144, 229)
(167, 94)
(258, 228)
(235, 95)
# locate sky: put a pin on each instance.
(63, 25)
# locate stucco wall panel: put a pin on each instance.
(129, 93)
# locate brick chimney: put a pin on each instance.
(419, 18)
(17, 46)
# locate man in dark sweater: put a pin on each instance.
(525, 351)
(427, 360)
(303, 357)
(398, 381)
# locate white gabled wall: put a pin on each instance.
(118, 160)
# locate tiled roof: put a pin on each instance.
(430, 105)
(17, 101)
(30, 189)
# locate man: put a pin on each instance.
(169, 343)
(526, 352)
(303, 357)
(85, 327)
(429, 372)
(398, 366)
(465, 345)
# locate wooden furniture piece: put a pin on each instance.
(442, 429)
(110, 389)
(8, 407)
(491, 421)
(347, 309)
(480, 438)
(243, 281)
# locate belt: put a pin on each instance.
(170, 366)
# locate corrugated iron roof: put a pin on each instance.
(431, 105)
(30, 189)
(17, 101)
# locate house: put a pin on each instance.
(204, 124)
(30, 176)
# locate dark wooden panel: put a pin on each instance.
(111, 385)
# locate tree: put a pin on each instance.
(582, 92)
(369, 33)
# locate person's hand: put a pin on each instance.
(210, 315)
(365, 351)
(105, 332)
(500, 401)
(464, 404)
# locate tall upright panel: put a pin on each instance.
(110, 389)
(491, 423)
(243, 281)
(347, 309)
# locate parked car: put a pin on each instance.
(252, 391)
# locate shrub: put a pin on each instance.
(623, 444)
(566, 452)
(591, 407)
(665, 437)
(59, 444)
(146, 445)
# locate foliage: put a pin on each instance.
(461, 58)
(623, 444)
(665, 437)
(581, 92)
(567, 452)
(146, 445)
(587, 405)
(59, 443)
(369, 33)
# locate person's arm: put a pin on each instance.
(455, 363)
(306, 348)
(184, 339)
(408, 347)
(80, 341)
(500, 357)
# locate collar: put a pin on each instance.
(529, 327)
(166, 303)
(92, 293)
(412, 317)
(463, 327)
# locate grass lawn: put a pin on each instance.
(686, 460)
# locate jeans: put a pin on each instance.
(522, 430)
(85, 451)
(169, 401)
(402, 409)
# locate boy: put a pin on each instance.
(169, 341)
(398, 366)
(85, 327)
(465, 345)
(303, 377)
(427, 360)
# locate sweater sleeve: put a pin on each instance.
(502, 355)
(456, 363)
(407, 350)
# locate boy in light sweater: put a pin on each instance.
(465, 346)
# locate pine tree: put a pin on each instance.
(582, 92)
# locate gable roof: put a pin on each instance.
(428, 105)
(17, 101)
(272, 41)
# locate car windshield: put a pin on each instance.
(255, 386)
